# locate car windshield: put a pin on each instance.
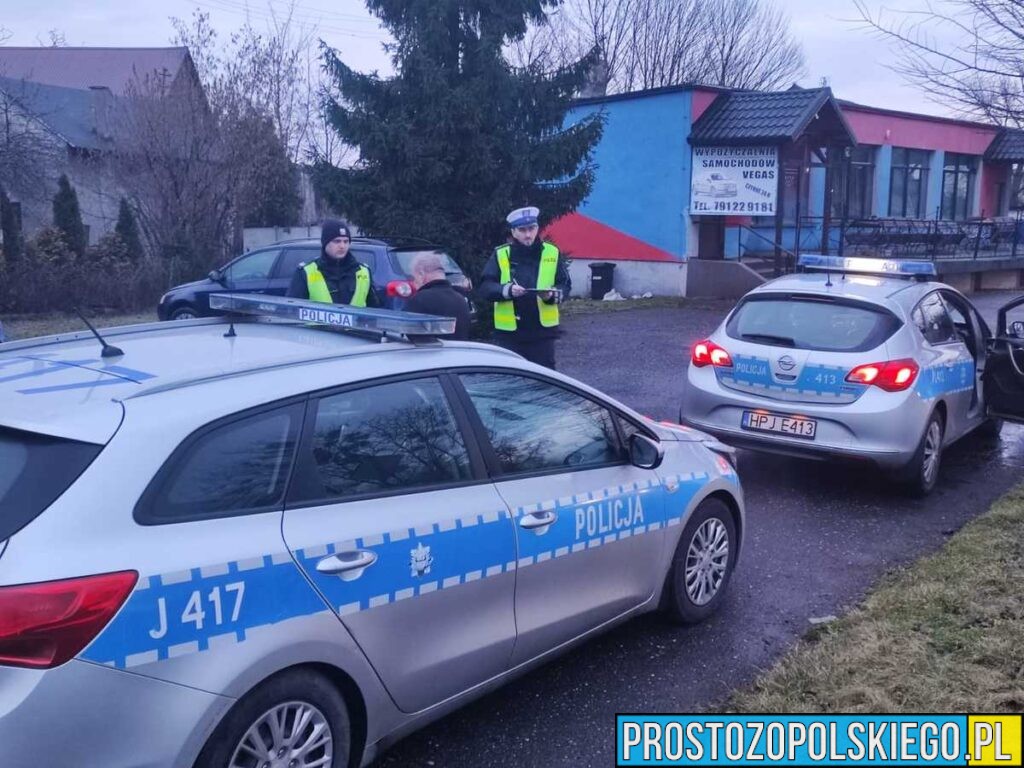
(402, 261)
(811, 323)
(34, 471)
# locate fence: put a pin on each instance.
(998, 238)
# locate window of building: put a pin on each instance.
(389, 438)
(958, 185)
(908, 183)
(1015, 195)
(860, 183)
(534, 425)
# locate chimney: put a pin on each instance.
(102, 107)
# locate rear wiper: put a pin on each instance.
(782, 341)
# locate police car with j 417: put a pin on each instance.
(274, 543)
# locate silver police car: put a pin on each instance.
(862, 358)
(264, 543)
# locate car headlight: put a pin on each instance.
(163, 299)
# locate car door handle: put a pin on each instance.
(539, 522)
(348, 565)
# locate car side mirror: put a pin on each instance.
(644, 452)
(217, 276)
(1017, 329)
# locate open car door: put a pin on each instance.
(1004, 371)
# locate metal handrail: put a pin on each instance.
(767, 240)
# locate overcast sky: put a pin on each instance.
(853, 61)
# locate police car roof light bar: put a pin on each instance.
(868, 265)
(380, 321)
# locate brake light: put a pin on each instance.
(44, 625)
(892, 376)
(402, 289)
(708, 353)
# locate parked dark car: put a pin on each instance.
(269, 270)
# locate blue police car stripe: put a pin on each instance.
(50, 367)
(946, 379)
(174, 614)
(112, 374)
(825, 382)
(205, 608)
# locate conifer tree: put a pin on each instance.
(128, 231)
(458, 137)
(67, 216)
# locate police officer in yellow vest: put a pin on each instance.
(527, 280)
(336, 277)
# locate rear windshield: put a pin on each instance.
(827, 325)
(34, 471)
(402, 261)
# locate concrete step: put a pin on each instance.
(765, 267)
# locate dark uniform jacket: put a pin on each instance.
(525, 266)
(438, 297)
(340, 276)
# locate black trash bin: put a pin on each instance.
(601, 278)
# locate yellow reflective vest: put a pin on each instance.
(318, 290)
(504, 311)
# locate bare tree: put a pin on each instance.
(651, 43)
(28, 149)
(968, 54)
(177, 174)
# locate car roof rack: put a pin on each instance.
(869, 265)
(383, 324)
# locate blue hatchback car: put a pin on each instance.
(269, 270)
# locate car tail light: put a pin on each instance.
(402, 289)
(892, 376)
(44, 625)
(708, 353)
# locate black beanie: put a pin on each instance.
(331, 229)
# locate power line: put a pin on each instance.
(244, 9)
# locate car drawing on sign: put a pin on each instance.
(864, 359)
(715, 185)
(295, 533)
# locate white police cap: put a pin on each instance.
(523, 217)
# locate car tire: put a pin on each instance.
(704, 559)
(186, 312)
(922, 473)
(286, 697)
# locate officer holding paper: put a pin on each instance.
(526, 279)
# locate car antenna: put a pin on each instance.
(108, 349)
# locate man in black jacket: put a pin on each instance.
(336, 277)
(527, 280)
(436, 296)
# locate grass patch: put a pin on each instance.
(944, 635)
(30, 326)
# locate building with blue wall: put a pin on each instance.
(837, 160)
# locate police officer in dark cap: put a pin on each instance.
(336, 277)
